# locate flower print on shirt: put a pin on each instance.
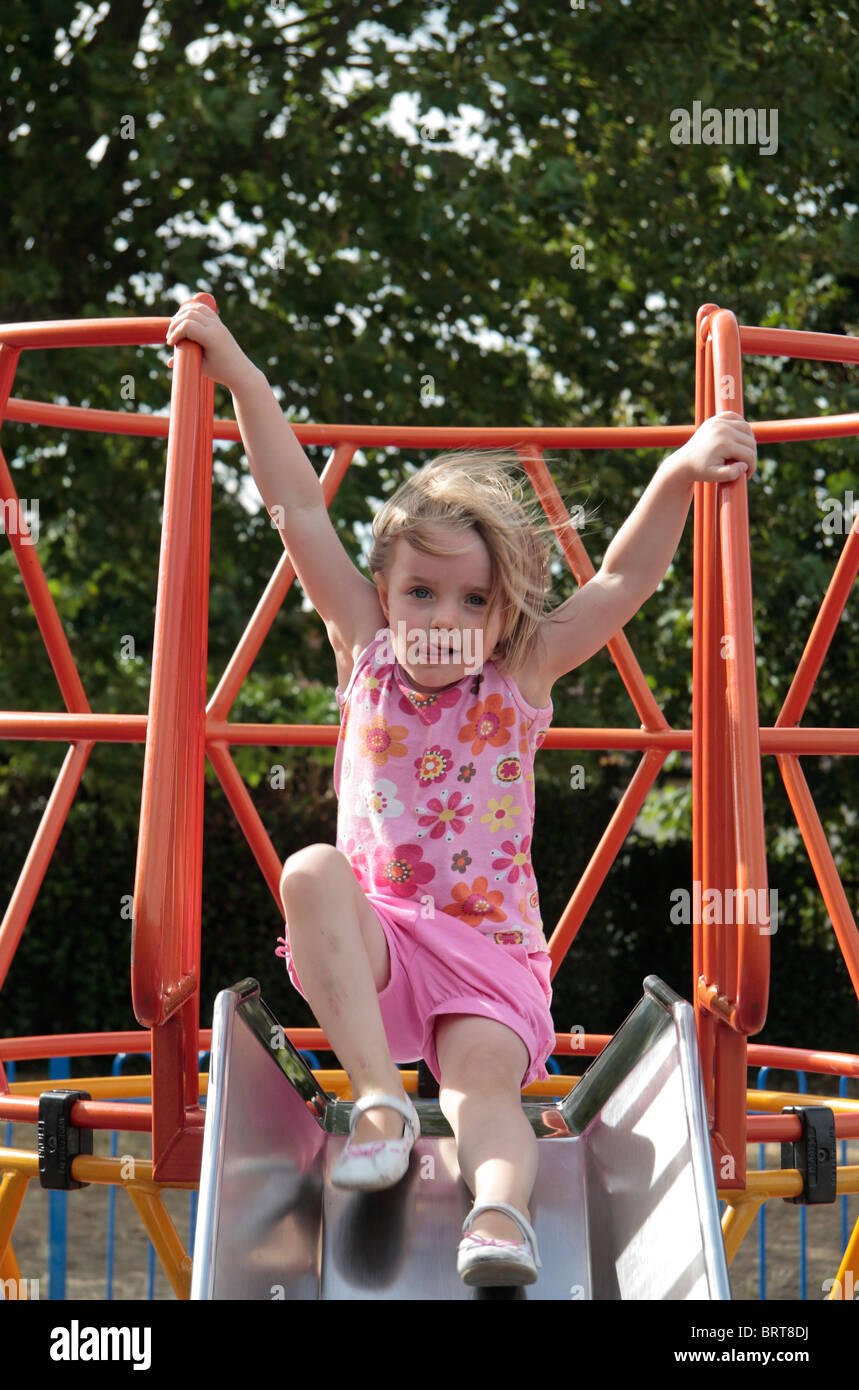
(433, 765)
(428, 707)
(436, 796)
(400, 871)
(524, 745)
(357, 858)
(488, 723)
(445, 814)
(500, 813)
(378, 799)
(476, 904)
(522, 907)
(460, 861)
(508, 769)
(381, 740)
(373, 685)
(515, 859)
(510, 938)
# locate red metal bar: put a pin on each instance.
(603, 857)
(71, 333)
(820, 855)
(163, 894)
(703, 717)
(773, 1129)
(127, 422)
(106, 1044)
(822, 632)
(803, 1059)
(131, 728)
(752, 939)
(269, 606)
(83, 1045)
(88, 1114)
(137, 1117)
(789, 342)
(249, 820)
(36, 864)
(579, 561)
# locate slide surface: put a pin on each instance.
(623, 1208)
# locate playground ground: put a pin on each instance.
(88, 1225)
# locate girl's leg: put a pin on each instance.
(482, 1064)
(341, 958)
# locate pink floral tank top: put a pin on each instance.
(436, 794)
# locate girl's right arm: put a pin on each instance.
(347, 602)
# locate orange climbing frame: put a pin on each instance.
(731, 961)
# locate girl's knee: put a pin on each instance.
(307, 869)
(479, 1055)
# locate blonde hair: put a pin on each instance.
(478, 490)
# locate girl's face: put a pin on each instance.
(424, 597)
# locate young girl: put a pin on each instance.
(420, 933)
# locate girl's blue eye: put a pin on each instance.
(421, 589)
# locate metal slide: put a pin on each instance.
(623, 1208)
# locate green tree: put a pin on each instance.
(310, 169)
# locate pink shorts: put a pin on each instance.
(442, 966)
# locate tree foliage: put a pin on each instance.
(483, 195)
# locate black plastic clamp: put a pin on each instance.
(59, 1140)
(814, 1154)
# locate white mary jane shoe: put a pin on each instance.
(495, 1263)
(373, 1167)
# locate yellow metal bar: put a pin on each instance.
(846, 1280)
(787, 1182)
(9, 1270)
(99, 1087)
(13, 1188)
(112, 1087)
(337, 1082)
(736, 1220)
(124, 1171)
(555, 1086)
(776, 1100)
(131, 1173)
(765, 1184)
(164, 1236)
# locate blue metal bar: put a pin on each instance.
(845, 1229)
(57, 1213)
(803, 1215)
(802, 1088)
(762, 1210)
(116, 1069)
(10, 1077)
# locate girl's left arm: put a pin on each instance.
(719, 451)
